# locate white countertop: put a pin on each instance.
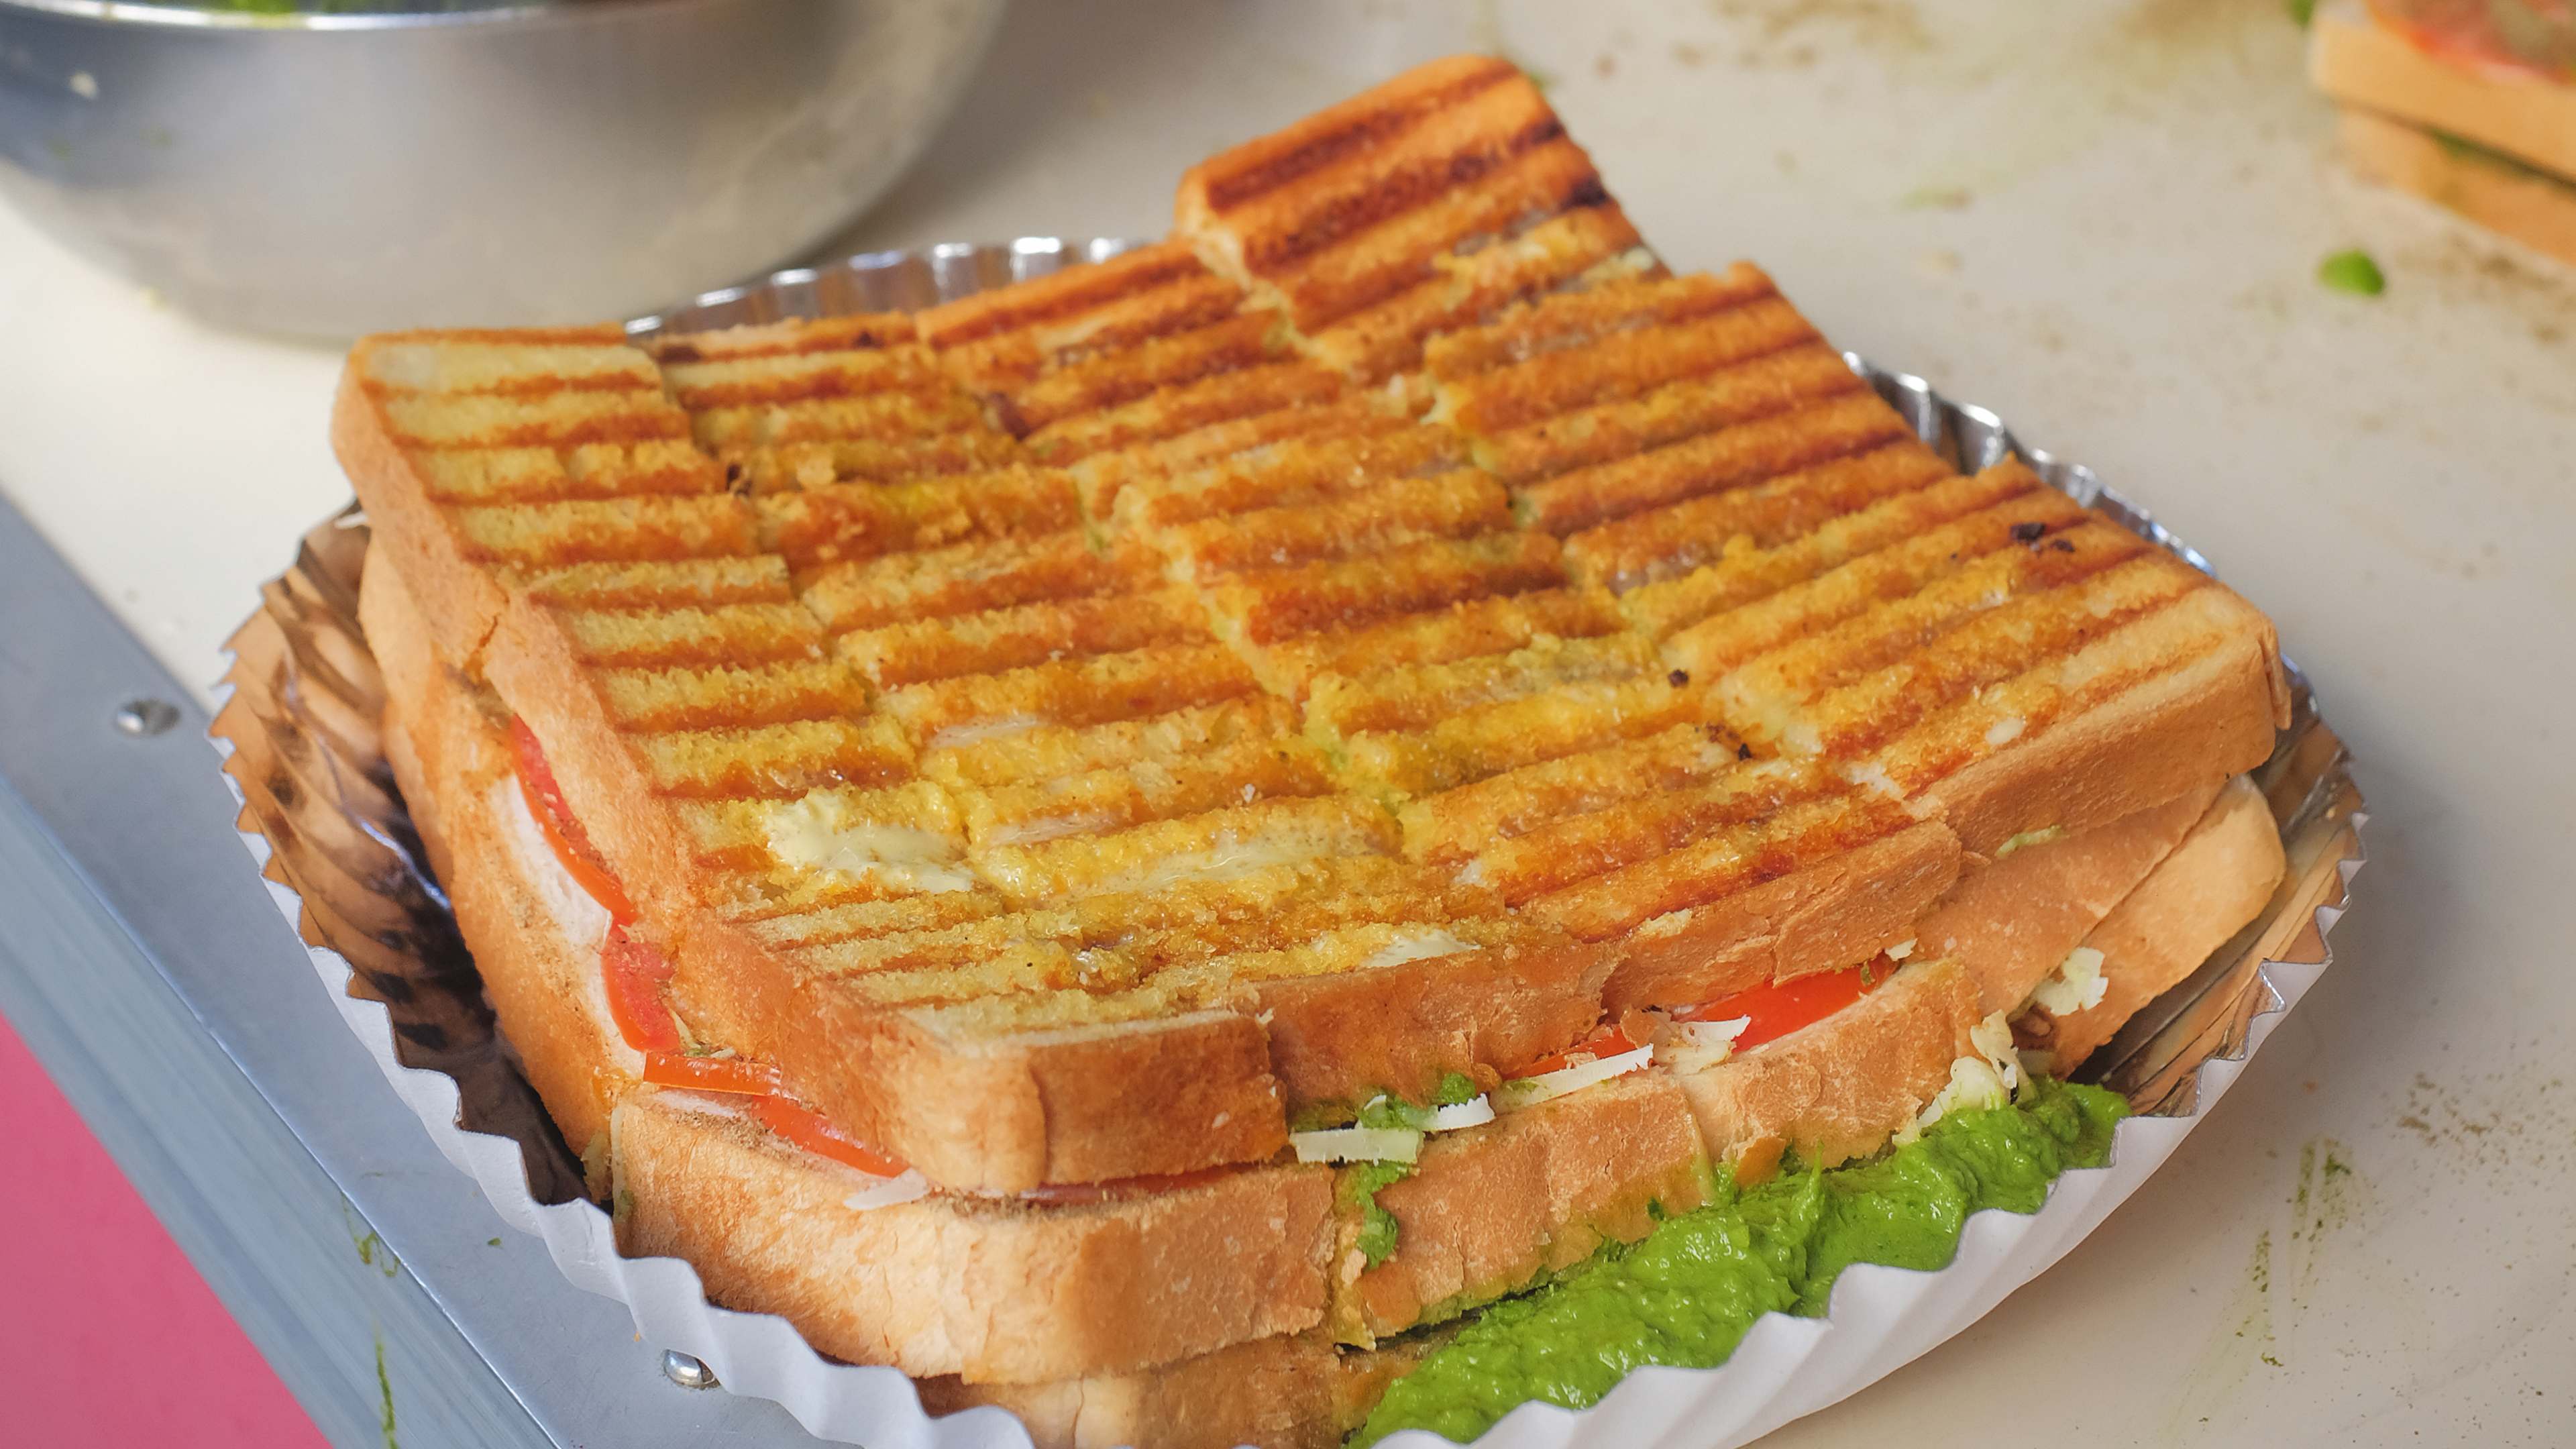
(2102, 221)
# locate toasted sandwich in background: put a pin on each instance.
(1146, 845)
(2470, 104)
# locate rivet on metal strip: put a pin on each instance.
(143, 718)
(687, 1371)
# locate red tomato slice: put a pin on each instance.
(1781, 1007)
(2541, 41)
(741, 1076)
(635, 973)
(807, 1128)
(1070, 1194)
(1609, 1041)
(554, 820)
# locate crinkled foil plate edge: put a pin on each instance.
(297, 732)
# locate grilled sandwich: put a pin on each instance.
(1135, 844)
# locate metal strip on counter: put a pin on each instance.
(146, 967)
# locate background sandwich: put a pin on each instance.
(2470, 104)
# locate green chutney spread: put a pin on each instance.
(1694, 1287)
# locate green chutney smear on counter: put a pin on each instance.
(1694, 1287)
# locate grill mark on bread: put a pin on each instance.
(780, 381)
(1044, 750)
(668, 638)
(2017, 602)
(1173, 411)
(1718, 865)
(504, 366)
(1129, 685)
(518, 476)
(548, 420)
(1103, 475)
(1730, 457)
(1450, 827)
(1323, 213)
(1538, 177)
(850, 521)
(885, 416)
(792, 338)
(1453, 505)
(787, 467)
(1492, 624)
(1065, 294)
(1235, 177)
(1292, 471)
(724, 693)
(1624, 365)
(967, 578)
(1407, 579)
(1670, 541)
(1022, 636)
(1387, 336)
(1582, 844)
(627, 529)
(1667, 607)
(673, 583)
(776, 762)
(1576, 319)
(1760, 386)
(1109, 379)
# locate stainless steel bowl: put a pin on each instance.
(476, 162)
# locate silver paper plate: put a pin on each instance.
(321, 812)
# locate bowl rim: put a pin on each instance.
(182, 15)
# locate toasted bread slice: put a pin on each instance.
(534, 937)
(1494, 1210)
(1004, 1292)
(1424, 204)
(994, 1291)
(1120, 357)
(730, 718)
(1298, 1392)
(2214, 881)
(2362, 63)
(1836, 1090)
(686, 1163)
(2532, 206)
(2011, 922)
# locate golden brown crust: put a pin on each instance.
(458, 603)
(1293, 1392)
(2187, 730)
(1828, 916)
(1000, 1115)
(1348, 1036)
(2214, 881)
(2011, 922)
(1416, 206)
(1836, 1090)
(996, 1292)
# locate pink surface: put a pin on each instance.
(90, 1287)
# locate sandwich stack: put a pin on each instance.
(1140, 846)
(2469, 104)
